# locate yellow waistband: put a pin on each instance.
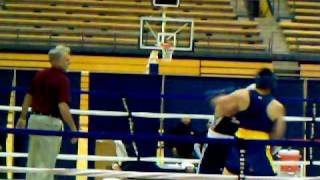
(251, 134)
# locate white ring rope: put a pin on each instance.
(70, 157)
(150, 114)
(73, 111)
(134, 174)
(171, 115)
(113, 174)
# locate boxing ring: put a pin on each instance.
(120, 136)
(131, 113)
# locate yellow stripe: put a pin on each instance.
(251, 134)
(269, 156)
(179, 71)
(10, 124)
(83, 124)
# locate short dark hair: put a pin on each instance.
(266, 79)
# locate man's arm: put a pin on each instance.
(25, 107)
(279, 127)
(64, 99)
(66, 115)
(228, 105)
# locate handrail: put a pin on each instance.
(271, 6)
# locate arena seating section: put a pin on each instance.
(302, 33)
(108, 23)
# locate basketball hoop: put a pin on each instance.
(167, 51)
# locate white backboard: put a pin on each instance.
(157, 30)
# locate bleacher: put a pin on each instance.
(130, 65)
(302, 33)
(79, 63)
(109, 23)
(310, 71)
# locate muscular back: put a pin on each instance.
(255, 116)
(255, 110)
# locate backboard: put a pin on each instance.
(155, 31)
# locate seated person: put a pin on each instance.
(181, 150)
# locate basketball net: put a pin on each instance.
(167, 51)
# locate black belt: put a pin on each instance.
(46, 114)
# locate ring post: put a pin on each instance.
(242, 159)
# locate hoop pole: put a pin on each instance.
(177, 31)
(131, 127)
(160, 150)
(151, 30)
(163, 27)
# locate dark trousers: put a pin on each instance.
(214, 158)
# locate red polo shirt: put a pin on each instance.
(49, 87)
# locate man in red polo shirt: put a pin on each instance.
(49, 97)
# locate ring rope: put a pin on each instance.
(208, 94)
(135, 174)
(111, 173)
(70, 157)
(157, 137)
(150, 114)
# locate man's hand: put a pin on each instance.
(67, 117)
(25, 107)
(21, 124)
(174, 151)
(74, 140)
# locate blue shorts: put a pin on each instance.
(257, 162)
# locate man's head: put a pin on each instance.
(59, 57)
(266, 80)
